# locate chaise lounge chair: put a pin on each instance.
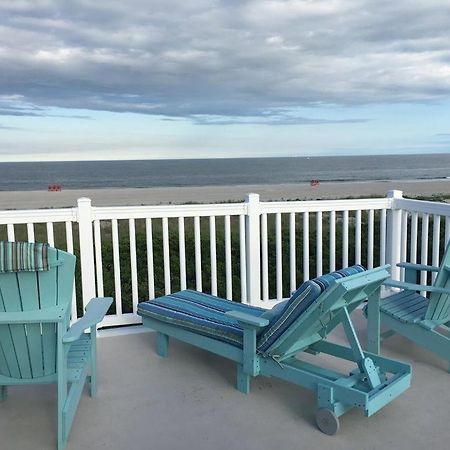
(423, 320)
(265, 342)
(37, 345)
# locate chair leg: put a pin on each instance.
(92, 379)
(2, 393)
(373, 323)
(242, 380)
(93, 375)
(162, 344)
(62, 396)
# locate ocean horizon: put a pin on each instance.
(22, 176)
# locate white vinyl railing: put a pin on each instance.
(425, 231)
(254, 252)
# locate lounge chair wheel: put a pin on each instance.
(327, 421)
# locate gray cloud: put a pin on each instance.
(222, 61)
(8, 109)
(268, 119)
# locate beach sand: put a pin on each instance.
(213, 194)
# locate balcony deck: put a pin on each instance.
(188, 401)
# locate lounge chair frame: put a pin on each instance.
(367, 387)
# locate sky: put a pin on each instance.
(144, 79)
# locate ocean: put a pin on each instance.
(20, 176)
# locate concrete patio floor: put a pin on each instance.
(188, 401)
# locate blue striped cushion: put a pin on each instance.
(299, 302)
(23, 257)
(200, 313)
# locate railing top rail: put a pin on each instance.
(159, 211)
(326, 205)
(21, 216)
(421, 206)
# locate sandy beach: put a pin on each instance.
(213, 194)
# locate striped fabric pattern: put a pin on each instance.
(199, 313)
(23, 257)
(204, 313)
(299, 302)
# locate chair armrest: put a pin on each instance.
(248, 319)
(48, 315)
(418, 267)
(415, 287)
(95, 312)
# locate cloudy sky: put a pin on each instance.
(203, 78)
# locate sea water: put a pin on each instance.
(209, 172)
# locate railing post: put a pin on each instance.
(86, 249)
(253, 248)
(393, 234)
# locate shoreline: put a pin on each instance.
(212, 194)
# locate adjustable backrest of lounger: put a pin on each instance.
(29, 350)
(312, 311)
(439, 304)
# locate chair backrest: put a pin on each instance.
(28, 351)
(313, 319)
(439, 304)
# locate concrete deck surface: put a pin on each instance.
(188, 401)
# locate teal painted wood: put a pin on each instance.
(162, 344)
(367, 387)
(323, 315)
(424, 321)
(96, 309)
(439, 307)
(37, 344)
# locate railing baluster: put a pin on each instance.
(383, 223)
(424, 249)
(116, 263)
(278, 255)
(345, 238)
(166, 255)
(404, 241)
(69, 236)
(228, 273)
(370, 238)
(436, 242)
(198, 254)
(182, 253)
(10, 230)
(213, 254)
(413, 239)
(358, 237)
(332, 267)
(69, 246)
(264, 258)
(30, 231)
(50, 234)
(242, 259)
(133, 264)
(305, 246)
(98, 257)
(150, 264)
(292, 254)
(319, 243)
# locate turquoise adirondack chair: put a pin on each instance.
(266, 342)
(423, 320)
(37, 343)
